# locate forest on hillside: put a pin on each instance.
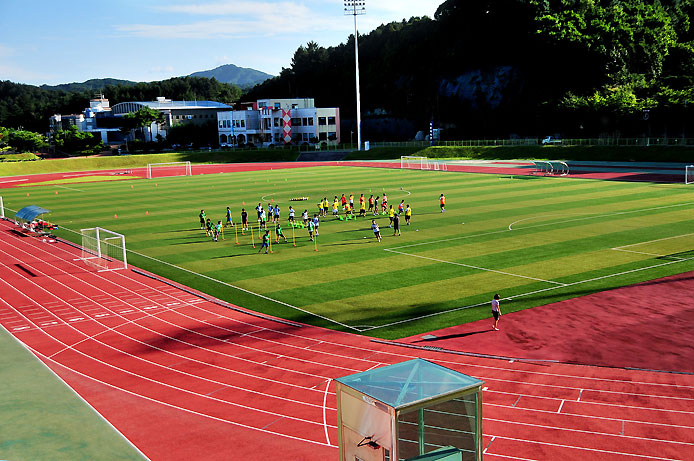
(478, 69)
(498, 68)
(29, 107)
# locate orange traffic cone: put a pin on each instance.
(115, 216)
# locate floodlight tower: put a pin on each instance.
(355, 8)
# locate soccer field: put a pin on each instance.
(533, 240)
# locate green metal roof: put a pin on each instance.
(403, 384)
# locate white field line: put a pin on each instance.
(79, 396)
(544, 225)
(652, 241)
(69, 188)
(602, 418)
(597, 450)
(648, 254)
(12, 180)
(598, 379)
(167, 385)
(236, 287)
(181, 408)
(161, 305)
(583, 431)
(107, 294)
(402, 355)
(594, 279)
(476, 267)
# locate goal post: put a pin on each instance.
(103, 249)
(2, 208)
(169, 169)
(689, 174)
(414, 162)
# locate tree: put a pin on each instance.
(144, 118)
(25, 141)
(73, 141)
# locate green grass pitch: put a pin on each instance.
(533, 240)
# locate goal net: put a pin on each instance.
(160, 170)
(688, 175)
(414, 163)
(103, 249)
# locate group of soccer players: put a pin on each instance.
(312, 224)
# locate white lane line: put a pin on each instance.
(181, 408)
(12, 180)
(487, 447)
(238, 288)
(20, 328)
(325, 418)
(162, 383)
(560, 406)
(476, 267)
(401, 355)
(285, 369)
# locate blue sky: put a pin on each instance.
(60, 42)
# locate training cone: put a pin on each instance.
(156, 185)
(56, 192)
(243, 203)
(115, 216)
(131, 186)
(147, 213)
(27, 194)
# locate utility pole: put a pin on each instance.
(355, 8)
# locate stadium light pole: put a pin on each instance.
(355, 8)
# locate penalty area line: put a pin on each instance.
(476, 267)
(594, 279)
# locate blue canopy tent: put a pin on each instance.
(26, 217)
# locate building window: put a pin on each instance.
(310, 121)
(323, 136)
(295, 106)
(322, 121)
(221, 123)
(331, 120)
(296, 122)
(332, 135)
(276, 122)
(243, 124)
(277, 105)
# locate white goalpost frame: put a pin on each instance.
(2, 208)
(188, 168)
(93, 247)
(688, 175)
(406, 160)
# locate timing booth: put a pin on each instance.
(29, 218)
(414, 410)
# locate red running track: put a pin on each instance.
(185, 378)
(515, 169)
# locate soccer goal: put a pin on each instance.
(414, 163)
(103, 249)
(688, 176)
(159, 170)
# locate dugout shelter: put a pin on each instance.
(414, 410)
(31, 218)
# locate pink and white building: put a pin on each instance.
(277, 122)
